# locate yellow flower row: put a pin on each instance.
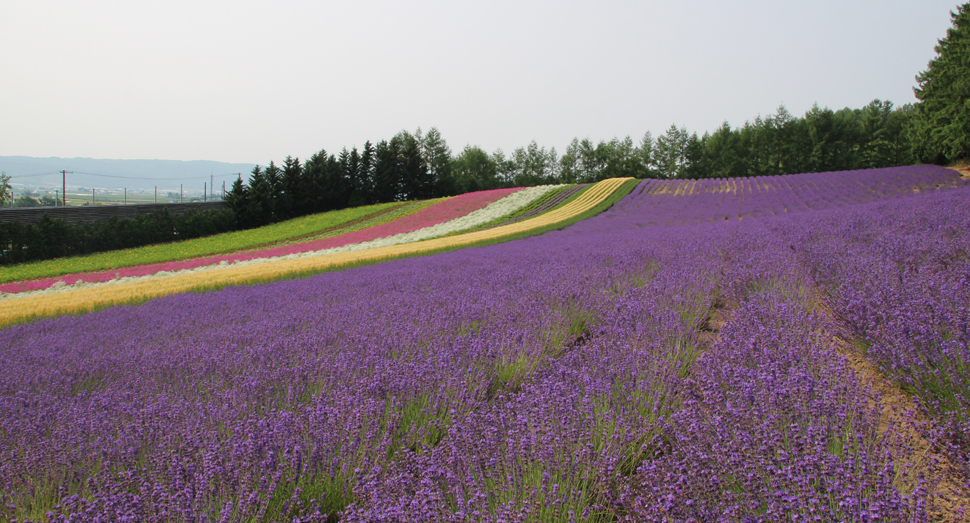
(198, 247)
(16, 310)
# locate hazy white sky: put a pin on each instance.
(247, 81)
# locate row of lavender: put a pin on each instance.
(899, 277)
(564, 377)
(687, 201)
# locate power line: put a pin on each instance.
(151, 178)
(101, 175)
(12, 176)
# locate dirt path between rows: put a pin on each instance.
(963, 169)
(950, 497)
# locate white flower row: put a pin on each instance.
(493, 211)
(497, 209)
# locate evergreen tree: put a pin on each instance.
(645, 153)
(590, 164)
(876, 144)
(534, 165)
(670, 152)
(336, 188)
(238, 197)
(351, 166)
(899, 133)
(260, 205)
(366, 173)
(620, 159)
(387, 182)
(569, 163)
(724, 153)
(288, 204)
(314, 172)
(827, 141)
(416, 183)
(942, 127)
(437, 156)
(696, 164)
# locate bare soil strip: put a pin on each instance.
(950, 497)
(963, 169)
(550, 204)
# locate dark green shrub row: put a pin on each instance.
(55, 237)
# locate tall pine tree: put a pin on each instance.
(387, 179)
(437, 155)
(942, 127)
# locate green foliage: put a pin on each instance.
(6, 192)
(141, 230)
(942, 127)
(56, 238)
(26, 201)
(533, 165)
(670, 153)
(474, 170)
(416, 182)
(437, 156)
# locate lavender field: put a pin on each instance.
(702, 351)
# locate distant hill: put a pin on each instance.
(117, 174)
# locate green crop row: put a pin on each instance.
(374, 220)
(220, 243)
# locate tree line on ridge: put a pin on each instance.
(419, 165)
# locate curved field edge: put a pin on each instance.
(188, 249)
(555, 201)
(439, 212)
(371, 220)
(521, 213)
(367, 221)
(407, 230)
(594, 200)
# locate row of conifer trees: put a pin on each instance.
(416, 165)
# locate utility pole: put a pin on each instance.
(55, 197)
(156, 194)
(205, 192)
(180, 193)
(126, 196)
(92, 196)
(64, 186)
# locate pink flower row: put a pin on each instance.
(438, 213)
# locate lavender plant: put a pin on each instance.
(574, 376)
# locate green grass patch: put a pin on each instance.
(219, 243)
(621, 192)
(379, 218)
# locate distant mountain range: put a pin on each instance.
(27, 171)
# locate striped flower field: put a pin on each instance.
(754, 350)
(139, 284)
(436, 214)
